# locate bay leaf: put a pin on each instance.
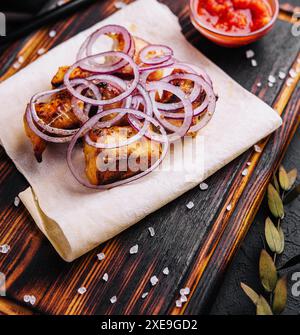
(275, 202)
(275, 182)
(267, 271)
(292, 195)
(292, 175)
(284, 179)
(262, 307)
(282, 240)
(280, 296)
(273, 237)
(254, 297)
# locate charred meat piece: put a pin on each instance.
(57, 113)
(105, 166)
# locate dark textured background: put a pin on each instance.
(231, 299)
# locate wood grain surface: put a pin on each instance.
(196, 245)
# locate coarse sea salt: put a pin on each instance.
(81, 290)
(281, 75)
(101, 256)
(203, 186)
(17, 201)
(190, 205)
(4, 249)
(134, 250)
(153, 280)
(250, 54)
(113, 299)
(52, 33)
(32, 300)
(254, 62)
(183, 298)
(292, 73)
(185, 291)
(257, 148)
(105, 277)
(120, 4)
(41, 51)
(144, 295)
(245, 172)
(259, 84)
(166, 271)
(228, 208)
(178, 303)
(26, 298)
(151, 231)
(272, 79)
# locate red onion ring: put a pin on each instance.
(88, 126)
(130, 87)
(156, 48)
(87, 46)
(187, 105)
(42, 135)
(122, 112)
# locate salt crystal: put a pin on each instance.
(120, 4)
(16, 65)
(81, 290)
(134, 249)
(272, 79)
(26, 298)
(178, 303)
(60, 2)
(245, 172)
(17, 201)
(144, 295)
(153, 280)
(101, 256)
(203, 186)
(41, 51)
(281, 75)
(270, 84)
(185, 291)
(183, 298)
(190, 205)
(254, 63)
(52, 33)
(293, 73)
(228, 208)
(113, 299)
(257, 148)
(249, 163)
(4, 249)
(166, 271)
(21, 59)
(259, 84)
(151, 231)
(105, 277)
(250, 54)
(32, 300)
(290, 82)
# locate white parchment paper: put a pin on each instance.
(76, 219)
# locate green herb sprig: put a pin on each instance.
(274, 298)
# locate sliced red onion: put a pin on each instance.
(129, 89)
(173, 106)
(122, 112)
(87, 47)
(180, 131)
(42, 135)
(40, 122)
(88, 126)
(163, 54)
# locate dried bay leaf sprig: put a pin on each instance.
(273, 285)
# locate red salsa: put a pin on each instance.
(235, 16)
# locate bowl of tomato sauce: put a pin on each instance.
(234, 23)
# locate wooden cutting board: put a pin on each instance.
(195, 245)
